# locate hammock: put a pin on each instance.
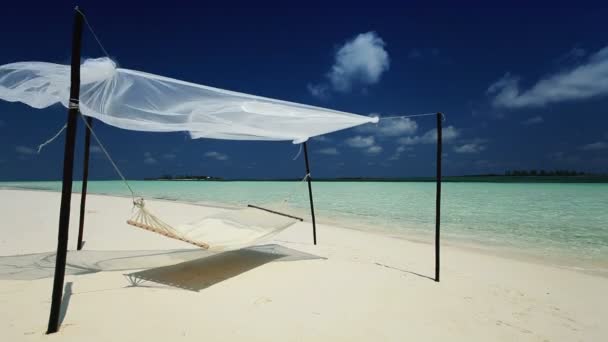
(220, 232)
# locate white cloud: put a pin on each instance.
(320, 91)
(149, 159)
(2, 124)
(24, 150)
(367, 144)
(398, 151)
(596, 146)
(321, 138)
(332, 151)
(216, 155)
(95, 149)
(469, 148)
(589, 79)
(375, 149)
(533, 120)
(390, 128)
(361, 61)
(360, 141)
(572, 56)
(430, 137)
(168, 156)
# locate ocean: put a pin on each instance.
(564, 223)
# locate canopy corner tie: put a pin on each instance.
(297, 154)
(74, 104)
(41, 146)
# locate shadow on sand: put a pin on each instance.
(405, 271)
(192, 269)
(65, 303)
(198, 274)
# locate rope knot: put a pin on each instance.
(139, 202)
(74, 104)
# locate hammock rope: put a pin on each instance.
(103, 149)
(148, 221)
(410, 116)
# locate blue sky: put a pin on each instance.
(521, 87)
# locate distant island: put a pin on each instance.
(510, 176)
(544, 173)
(184, 178)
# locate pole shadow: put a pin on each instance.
(65, 303)
(406, 271)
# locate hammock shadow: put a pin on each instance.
(42, 265)
(198, 274)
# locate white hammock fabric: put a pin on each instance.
(225, 231)
(141, 101)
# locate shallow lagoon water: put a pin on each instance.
(563, 220)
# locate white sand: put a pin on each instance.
(352, 286)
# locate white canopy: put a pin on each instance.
(140, 101)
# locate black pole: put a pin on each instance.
(312, 206)
(438, 196)
(68, 166)
(85, 179)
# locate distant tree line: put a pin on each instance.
(560, 173)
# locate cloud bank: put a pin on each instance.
(587, 80)
(24, 150)
(390, 128)
(596, 146)
(360, 141)
(216, 155)
(367, 144)
(331, 151)
(430, 137)
(469, 148)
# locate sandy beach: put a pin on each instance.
(129, 284)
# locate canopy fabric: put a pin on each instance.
(141, 101)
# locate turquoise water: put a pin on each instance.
(565, 220)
